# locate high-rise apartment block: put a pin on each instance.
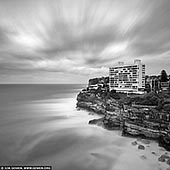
(127, 78)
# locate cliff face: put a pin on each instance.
(145, 115)
(94, 102)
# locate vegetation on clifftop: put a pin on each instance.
(102, 93)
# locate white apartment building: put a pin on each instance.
(127, 78)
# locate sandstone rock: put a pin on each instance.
(134, 143)
(96, 121)
(161, 159)
(168, 161)
(141, 147)
(95, 102)
(166, 156)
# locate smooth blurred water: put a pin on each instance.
(39, 125)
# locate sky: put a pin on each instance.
(70, 41)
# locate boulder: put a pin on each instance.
(162, 158)
(168, 161)
(134, 143)
(166, 156)
(96, 121)
(141, 147)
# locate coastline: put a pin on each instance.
(146, 121)
(113, 118)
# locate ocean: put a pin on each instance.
(40, 125)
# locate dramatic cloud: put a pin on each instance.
(62, 41)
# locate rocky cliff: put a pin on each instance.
(96, 103)
(149, 117)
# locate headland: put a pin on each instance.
(137, 115)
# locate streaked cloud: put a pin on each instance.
(65, 39)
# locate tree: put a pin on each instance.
(93, 81)
(147, 88)
(164, 77)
